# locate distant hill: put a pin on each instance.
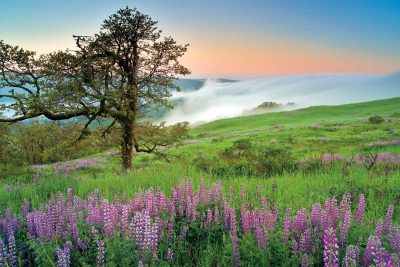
(312, 115)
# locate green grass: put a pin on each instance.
(346, 131)
(346, 128)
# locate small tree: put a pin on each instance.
(121, 73)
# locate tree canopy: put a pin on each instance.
(120, 73)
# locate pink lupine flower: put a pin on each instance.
(352, 256)
(170, 255)
(374, 243)
(246, 219)
(344, 231)
(387, 224)
(378, 232)
(305, 260)
(300, 221)
(235, 250)
(394, 238)
(209, 218)
(383, 258)
(361, 209)
(287, 225)
(261, 236)
(316, 215)
(331, 248)
(63, 255)
(305, 242)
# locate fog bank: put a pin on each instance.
(215, 100)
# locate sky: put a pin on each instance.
(232, 38)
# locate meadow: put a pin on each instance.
(328, 195)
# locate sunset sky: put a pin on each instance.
(232, 38)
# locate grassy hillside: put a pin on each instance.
(307, 133)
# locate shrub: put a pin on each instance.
(242, 159)
(376, 119)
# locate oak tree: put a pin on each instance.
(118, 75)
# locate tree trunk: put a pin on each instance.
(127, 145)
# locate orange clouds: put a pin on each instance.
(240, 56)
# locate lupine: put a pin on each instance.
(300, 221)
(374, 243)
(287, 225)
(316, 215)
(352, 256)
(305, 260)
(170, 255)
(63, 256)
(331, 248)
(344, 231)
(378, 232)
(383, 258)
(361, 209)
(235, 250)
(140, 218)
(2, 252)
(209, 218)
(394, 238)
(100, 253)
(261, 236)
(332, 212)
(246, 219)
(387, 224)
(12, 249)
(305, 242)
(345, 204)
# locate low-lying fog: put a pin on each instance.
(217, 100)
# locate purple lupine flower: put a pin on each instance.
(345, 204)
(261, 236)
(332, 213)
(331, 248)
(170, 255)
(305, 242)
(344, 231)
(379, 230)
(209, 218)
(383, 258)
(287, 225)
(316, 215)
(305, 260)
(125, 218)
(100, 253)
(232, 221)
(361, 209)
(63, 256)
(217, 190)
(352, 256)
(216, 215)
(387, 224)
(12, 249)
(3, 252)
(235, 250)
(394, 238)
(374, 243)
(246, 219)
(300, 220)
